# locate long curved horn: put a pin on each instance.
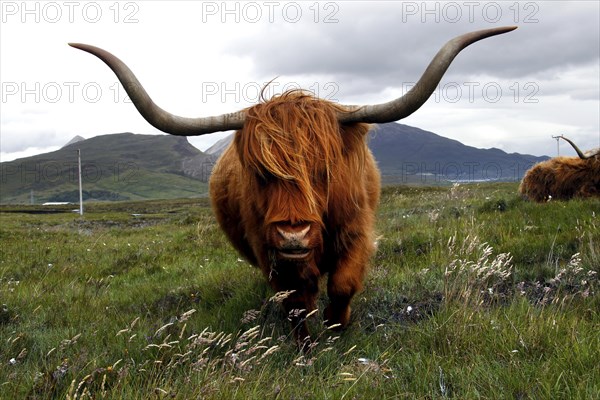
(414, 98)
(380, 113)
(579, 152)
(155, 115)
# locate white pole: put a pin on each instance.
(80, 186)
(557, 147)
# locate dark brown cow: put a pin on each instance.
(563, 178)
(296, 192)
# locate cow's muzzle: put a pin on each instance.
(293, 241)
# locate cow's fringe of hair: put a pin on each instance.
(296, 137)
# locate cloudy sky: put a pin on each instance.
(512, 92)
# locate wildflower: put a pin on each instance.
(186, 315)
(280, 296)
(162, 328)
(250, 316)
(269, 351)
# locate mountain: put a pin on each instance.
(114, 167)
(74, 140)
(406, 154)
(126, 166)
(220, 146)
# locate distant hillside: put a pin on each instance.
(406, 154)
(128, 167)
(220, 146)
(74, 140)
(114, 167)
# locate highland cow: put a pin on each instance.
(563, 178)
(297, 190)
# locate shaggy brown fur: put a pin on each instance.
(294, 166)
(562, 178)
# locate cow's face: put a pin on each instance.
(288, 148)
(293, 226)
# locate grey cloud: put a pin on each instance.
(372, 42)
(14, 140)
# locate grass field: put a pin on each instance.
(473, 293)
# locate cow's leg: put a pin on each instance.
(303, 282)
(297, 306)
(343, 283)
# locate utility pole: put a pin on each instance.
(80, 185)
(557, 148)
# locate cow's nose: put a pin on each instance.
(293, 234)
(293, 241)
